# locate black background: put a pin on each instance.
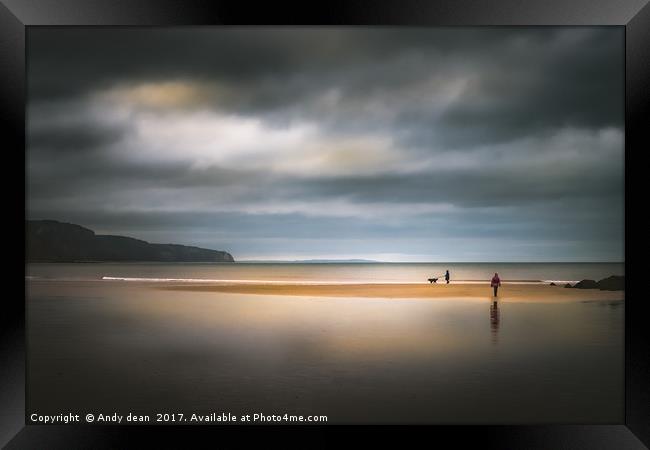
(15, 15)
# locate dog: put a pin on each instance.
(433, 280)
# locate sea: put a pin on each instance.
(325, 273)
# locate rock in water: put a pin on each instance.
(586, 284)
(568, 285)
(553, 284)
(613, 283)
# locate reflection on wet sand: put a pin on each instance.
(494, 321)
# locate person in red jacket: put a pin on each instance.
(495, 283)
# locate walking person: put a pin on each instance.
(447, 276)
(495, 283)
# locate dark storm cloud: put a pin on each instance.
(105, 57)
(99, 173)
(462, 187)
(564, 88)
(72, 137)
(544, 69)
(478, 118)
(468, 188)
(520, 81)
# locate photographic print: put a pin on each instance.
(325, 225)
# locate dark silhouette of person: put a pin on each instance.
(495, 283)
(447, 277)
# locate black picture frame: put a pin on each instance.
(16, 15)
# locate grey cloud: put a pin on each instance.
(474, 188)
(523, 81)
(516, 83)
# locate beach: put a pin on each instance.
(358, 352)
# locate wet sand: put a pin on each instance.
(507, 293)
(116, 347)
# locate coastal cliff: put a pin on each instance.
(53, 241)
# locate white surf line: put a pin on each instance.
(299, 282)
(247, 281)
(562, 282)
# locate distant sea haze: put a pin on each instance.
(326, 272)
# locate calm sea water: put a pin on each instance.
(328, 272)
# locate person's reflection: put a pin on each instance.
(494, 320)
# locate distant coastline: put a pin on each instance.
(54, 241)
(311, 261)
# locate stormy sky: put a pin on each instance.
(411, 144)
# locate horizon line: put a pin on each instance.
(369, 261)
